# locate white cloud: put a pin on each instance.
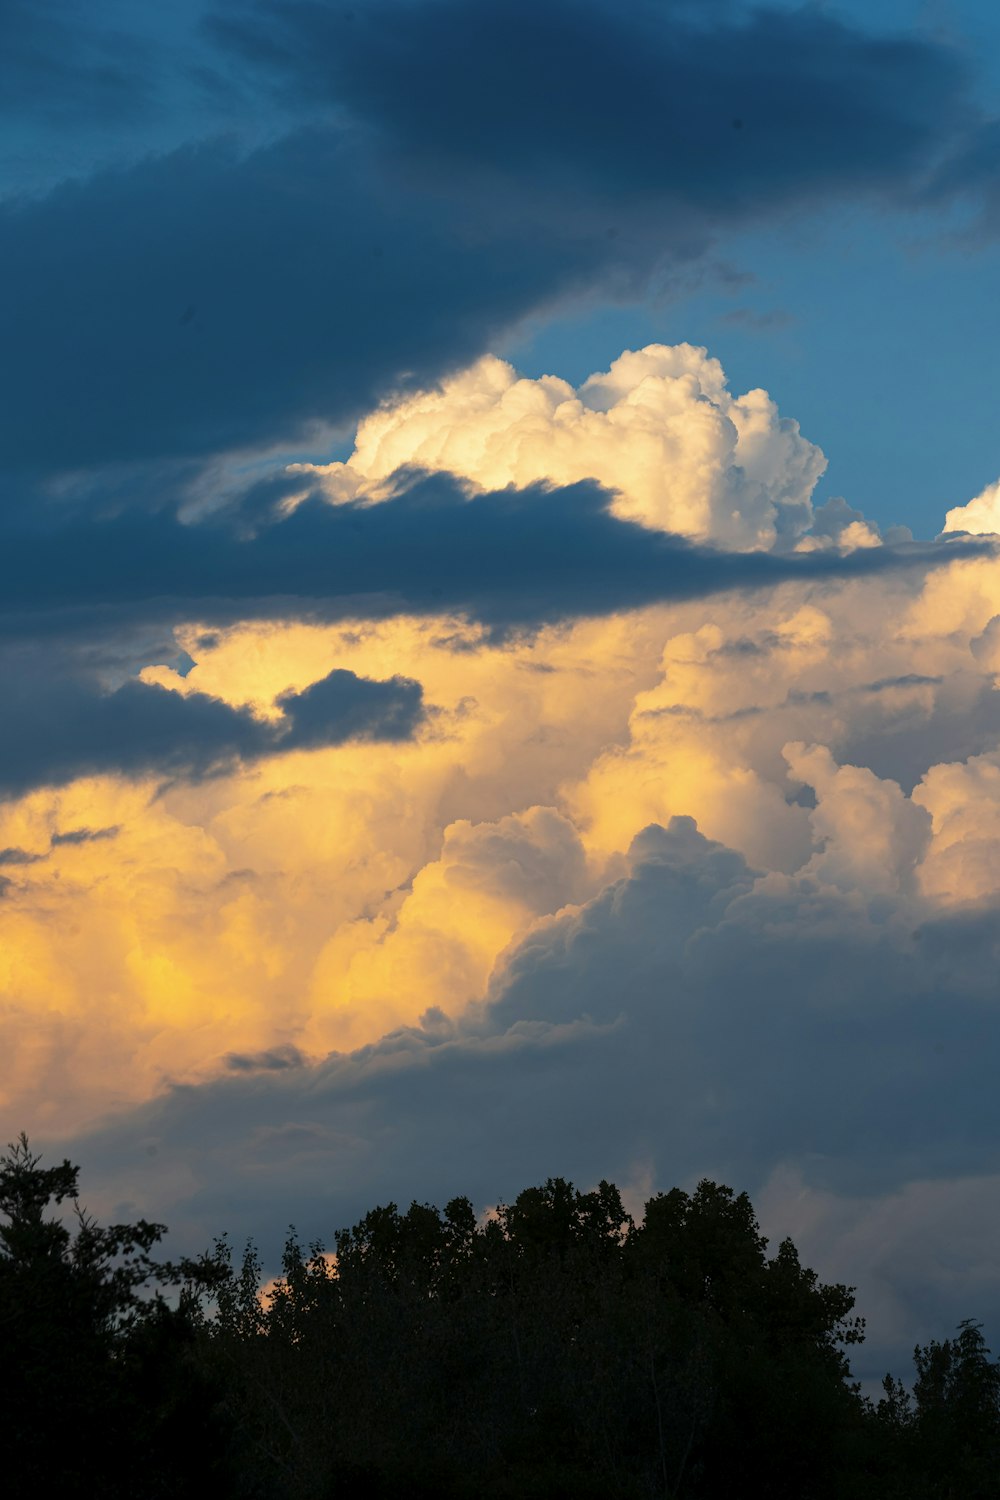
(660, 428)
(981, 516)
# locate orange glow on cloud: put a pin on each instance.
(318, 899)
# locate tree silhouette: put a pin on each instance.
(956, 1425)
(553, 1347)
(94, 1384)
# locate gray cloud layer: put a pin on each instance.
(690, 1019)
(55, 729)
(56, 64)
(720, 107)
(510, 559)
(209, 300)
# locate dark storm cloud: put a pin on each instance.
(85, 835)
(484, 161)
(15, 856)
(508, 559)
(342, 706)
(206, 300)
(272, 1060)
(683, 1015)
(962, 720)
(720, 107)
(67, 64)
(55, 729)
(687, 1021)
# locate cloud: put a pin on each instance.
(84, 836)
(274, 1060)
(342, 706)
(508, 559)
(311, 294)
(884, 678)
(438, 943)
(221, 900)
(659, 429)
(454, 172)
(488, 942)
(963, 800)
(57, 730)
(720, 110)
(967, 173)
(980, 517)
(812, 1043)
(14, 856)
(55, 63)
(322, 899)
(922, 1257)
(693, 867)
(871, 836)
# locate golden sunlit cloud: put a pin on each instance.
(316, 899)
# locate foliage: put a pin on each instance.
(944, 1442)
(96, 1384)
(553, 1347)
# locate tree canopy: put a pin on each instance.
(98, 1388)
(552, 1346)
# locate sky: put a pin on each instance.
(500, 616)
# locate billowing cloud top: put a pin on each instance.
(981, 517)
(659, 429)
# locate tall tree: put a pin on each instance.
(96, 1384)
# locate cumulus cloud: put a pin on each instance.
(980, 517)
(885, 678)
(624, 706)
(870, 835)
(695, 875)
(659, 428)
(490, 883)
(811, 1042)
(322, 899)
(963, 801)
(835, 523)
(221, 900)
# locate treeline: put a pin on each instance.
(555, 1349)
